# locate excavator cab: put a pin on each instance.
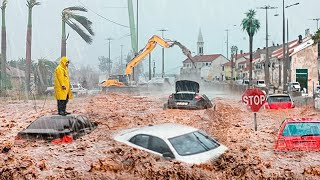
(116, 81)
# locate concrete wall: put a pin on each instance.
(306, 59)
(216, 67)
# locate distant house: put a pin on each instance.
(240, 65)
(210, 66)
(17, 77)
(303, 62)
(212, 63)
(226, 70)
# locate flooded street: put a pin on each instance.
(159, 90)
(98, 156)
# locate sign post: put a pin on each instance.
(255, 121)
(254, 99)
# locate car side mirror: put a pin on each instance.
(168, 155)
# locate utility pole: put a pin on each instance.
(149, 66)
(154, 69)
(288, 55)
(266, 64)
(227, 30)
(137, 25)
(316, 19)
(162, 74)
(109, 61)
(121, 55)
(285, 68)
(285, 57)
(135, 53)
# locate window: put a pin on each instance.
(158, 145)
(300, 129)
(140, 140)
(273, 99)
(193, 143)
(258, 66)
(222, 68)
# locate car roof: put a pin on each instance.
(60, 117)
(165, 131)
(302, 120)
(271, 95)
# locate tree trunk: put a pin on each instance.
(3, 52)
(232, 58)
(63, 40)
(250, 64)
(28, 51)
(28, 58)
(266, 69)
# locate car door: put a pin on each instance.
(141, 140)
(159, 145)
(151, 144)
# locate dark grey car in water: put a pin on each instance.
(55, 127)
(187, 96)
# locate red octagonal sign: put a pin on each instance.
(254, 99)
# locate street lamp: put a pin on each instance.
(227, 30)
(316, 19)
(266, 67)
(285, 58)
(109, 61)
(162, 74)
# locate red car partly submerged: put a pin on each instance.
(279, 101)
(299, 135)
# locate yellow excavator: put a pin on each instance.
(124, 80)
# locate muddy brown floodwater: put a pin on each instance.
(98, 156)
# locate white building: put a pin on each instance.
(210, 66)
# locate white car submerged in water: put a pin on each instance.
(173, 141)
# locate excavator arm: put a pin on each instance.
(153, 41)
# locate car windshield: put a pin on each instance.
(56, 123)
(193, 143)
(75, 86)
(295, 83)
(301, 129)
(275, 99)
(260, 82)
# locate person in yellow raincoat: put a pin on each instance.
(62, 89)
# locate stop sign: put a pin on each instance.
(254, 99)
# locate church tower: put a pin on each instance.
(200, 44)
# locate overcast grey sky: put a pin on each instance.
(182, 19)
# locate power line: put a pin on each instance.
(104, 17)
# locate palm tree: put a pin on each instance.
(70, 17)
(251, 25)
(3, 46)
(30, 5)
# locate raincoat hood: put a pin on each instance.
(63, 61)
